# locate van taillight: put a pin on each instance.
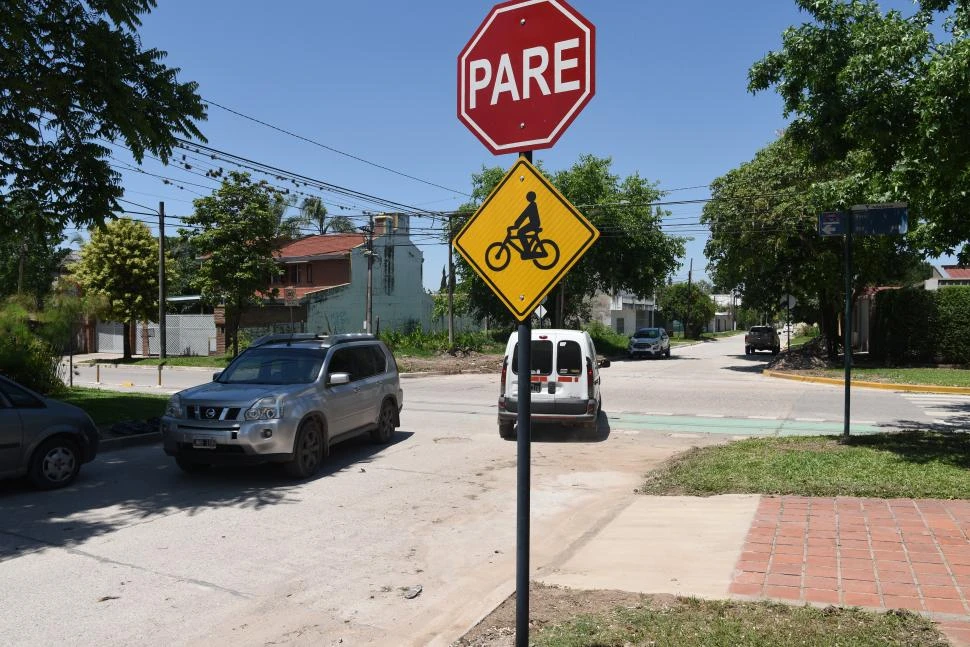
(589, 379)
(505, 368)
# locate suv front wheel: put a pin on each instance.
(307, 452)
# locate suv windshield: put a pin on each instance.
(275, 366)
(649, 333)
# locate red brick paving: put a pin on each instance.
(876, 553)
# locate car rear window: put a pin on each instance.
(761, 329)
(541, 357)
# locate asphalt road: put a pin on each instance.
(138, 553)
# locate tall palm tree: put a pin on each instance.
(314, 213)
(288, 227)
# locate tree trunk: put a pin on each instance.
(830, 325)
(126, 344)
(233, 315)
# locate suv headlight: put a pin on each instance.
(174, 407)
(265, 409)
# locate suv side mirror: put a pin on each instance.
(215, 376)
(335, 379)
(602, 363)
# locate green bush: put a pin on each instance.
(607, 341)
(420, 343)
(918, 326)
(904, 327)
(25, 356)
(953, 308)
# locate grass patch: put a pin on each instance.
(689, 621)
(920, 464)
(429, 344)
(109, 407)
(211, 361)
(927, 376)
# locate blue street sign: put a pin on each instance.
(831, 223)
(880, 219)
(867, 220)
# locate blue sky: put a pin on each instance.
(377, 81)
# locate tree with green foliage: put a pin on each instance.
(314, 214)
(632, 253)
(74, 76)
(235, 232)
(890, 94)
(30, 253)
(764, 240)
(688, 303)
(120, 263)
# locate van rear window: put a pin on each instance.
(570, 360)
(541, 357)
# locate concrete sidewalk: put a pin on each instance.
(873, 553)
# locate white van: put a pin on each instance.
(565, 380)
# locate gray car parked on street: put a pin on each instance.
(43, 438)
(286, 399)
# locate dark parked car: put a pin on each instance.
(45, 439)
(762, 338)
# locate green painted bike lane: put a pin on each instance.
(733, 426)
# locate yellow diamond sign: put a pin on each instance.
(524, 238)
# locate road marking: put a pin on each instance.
(762, 417)
(710, 415)
(810, 419)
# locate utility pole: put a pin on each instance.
(690, 295)
(370, 275)
(161, 280)
(451, 282)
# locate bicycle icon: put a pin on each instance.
(523, 237)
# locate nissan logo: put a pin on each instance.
(210, 413)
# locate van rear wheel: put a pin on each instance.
(506, 429)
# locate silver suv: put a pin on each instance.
(286, 399)
(652, 342)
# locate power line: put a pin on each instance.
(333, 150)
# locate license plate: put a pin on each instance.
(204, 443)
(536, 387)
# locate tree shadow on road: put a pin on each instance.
(753, 363)
(128, 487)
(928, 444)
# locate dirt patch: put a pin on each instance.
(809, 357)
(450, 364)
(551, 605)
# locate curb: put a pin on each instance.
(123, 442)
(886, 386)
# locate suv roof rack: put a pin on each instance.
(292, 337)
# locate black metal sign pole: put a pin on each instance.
(847, 332)
(523, 476)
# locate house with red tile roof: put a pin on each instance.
(324, 283)
(948, 275)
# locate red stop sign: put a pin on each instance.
(525, 74)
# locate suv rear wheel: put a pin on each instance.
(385, 424)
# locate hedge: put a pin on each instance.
(912, 325)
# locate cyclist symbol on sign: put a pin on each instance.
(523, 237)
